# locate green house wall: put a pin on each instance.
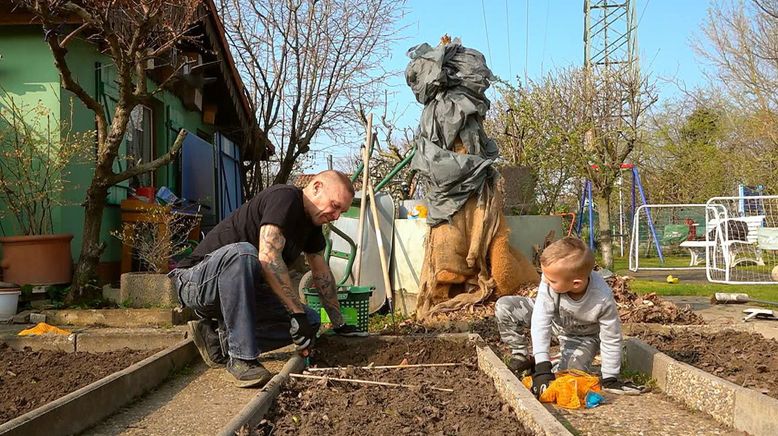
(28, 75)
(27, 71)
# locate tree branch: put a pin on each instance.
(151, 165)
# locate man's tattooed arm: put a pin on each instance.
(325, 284)
(271, 244)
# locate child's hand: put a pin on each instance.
(541, 377)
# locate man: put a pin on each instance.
(238, 275)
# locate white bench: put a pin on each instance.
(733, 250)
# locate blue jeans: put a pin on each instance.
(227, 285)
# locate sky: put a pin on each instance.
(534, 37)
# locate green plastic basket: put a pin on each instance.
(354, 305)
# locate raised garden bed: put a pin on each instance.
(66, 393)
(30, 379)
(743, 358)
(317, 407)
(741, 408)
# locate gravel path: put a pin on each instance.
(652, 413)
(198, 401)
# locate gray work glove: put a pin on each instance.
(301, 331)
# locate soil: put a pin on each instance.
(310, 407)
(30, 379)
(333, 351)
(744, 358)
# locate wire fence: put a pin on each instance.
(743, 241)
(668, 237)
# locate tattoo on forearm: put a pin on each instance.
(271, 240)
(281, 274)
(325, 283)
(271, 245)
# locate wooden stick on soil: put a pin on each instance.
(420, 365)
(365, 382)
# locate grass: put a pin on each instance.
(638, 378)
(660, 287)
(380, 322)
(621, 264)
(759, 292)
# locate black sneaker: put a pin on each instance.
(518, 363)
(349, 330)
(248, 373)
(207, 341)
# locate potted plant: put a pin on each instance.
(36, 151)
(156, 235)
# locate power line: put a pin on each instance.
(526, 45)
(643, 13)
(486, 30)
(545, 35)
(508, 27)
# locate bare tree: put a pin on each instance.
(304, 61)
(535, 127)
(391, 152)
(578, 124)
(129, 33)
(617, 102)
(684, 159)
(741, 43)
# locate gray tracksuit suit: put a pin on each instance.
(584, 327)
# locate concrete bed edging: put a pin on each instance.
(96, 401)
(734, 406)
(526, 407)
(96, 340)
(121, 318)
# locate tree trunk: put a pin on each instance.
(284, 170)
(602, 201)
(86, 270)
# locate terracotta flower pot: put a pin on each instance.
(37, 260)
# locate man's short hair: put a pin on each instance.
(335, 176)
(573, 252)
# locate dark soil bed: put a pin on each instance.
(315, 407)
(746, 359)
(30, 379)
(335, 351)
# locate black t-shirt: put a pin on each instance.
(281, 205)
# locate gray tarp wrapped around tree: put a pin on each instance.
(451, 82)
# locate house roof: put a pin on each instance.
(240, 91)
(302, 180)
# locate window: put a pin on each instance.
(140, 143)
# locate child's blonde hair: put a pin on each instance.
(573, 252)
